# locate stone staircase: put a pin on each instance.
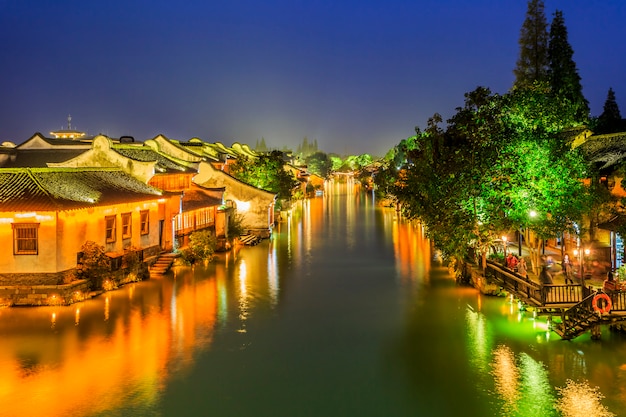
(249, 239)
(163, 264)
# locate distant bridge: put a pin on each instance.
(579, 308)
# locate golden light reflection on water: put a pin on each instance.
(273, 277)
(412, 249)
(243, 295)
(578, 399)
(84, 365)
(506, 378)
(522, 383)
(341, 199)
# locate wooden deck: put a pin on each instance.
(572, 303)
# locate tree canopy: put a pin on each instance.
(319, 163)
(266, 172)
(486, 172)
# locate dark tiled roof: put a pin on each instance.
(145, 154)
(605, 150)
(65, 189)
(573, 132)
(198, 148)
(198, 197)
(38, 158)
(62, 142)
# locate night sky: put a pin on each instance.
(357, 76)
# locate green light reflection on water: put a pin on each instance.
(503, 341)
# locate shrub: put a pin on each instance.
(201, 247)
(134, 266)
(235, 225)
(93, 264)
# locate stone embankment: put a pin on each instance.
(61, 294)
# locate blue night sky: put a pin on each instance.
(357, 76)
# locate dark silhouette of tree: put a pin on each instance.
(562, 72)
(532, 64)
(261, 147)
(610, 121)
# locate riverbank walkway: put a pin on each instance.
(578, 307)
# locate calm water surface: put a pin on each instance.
(346, 311)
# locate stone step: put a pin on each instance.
(163, 263)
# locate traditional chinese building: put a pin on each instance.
(68, 133)
(47, 214)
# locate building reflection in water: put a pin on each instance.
(90, 357)
(412, 249)
(243, 295)
(272, 276)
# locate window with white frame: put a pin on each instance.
(127, 228)
(144, 220)
(110, 228)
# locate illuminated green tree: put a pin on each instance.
(336, 162)
(483, 175)
(532, 64)
(535, 110)
(319, 163)
(266, 172)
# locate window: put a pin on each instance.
(144, 219)
(126, 225)
(110, 228)
(25, 238)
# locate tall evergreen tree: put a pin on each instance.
(610, 121)
(532, 64)
(562, 72)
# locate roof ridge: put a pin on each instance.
(39, 185)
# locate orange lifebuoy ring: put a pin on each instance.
(607, 303)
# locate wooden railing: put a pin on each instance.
(577, 319)
(531, 292)
(574, 303)
(618, 300)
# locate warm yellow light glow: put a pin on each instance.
(506, 377)
(25, 215)
(504, 239)
(533, 213)
(580, 399)
(242, 205)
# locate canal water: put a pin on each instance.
(345, 311)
